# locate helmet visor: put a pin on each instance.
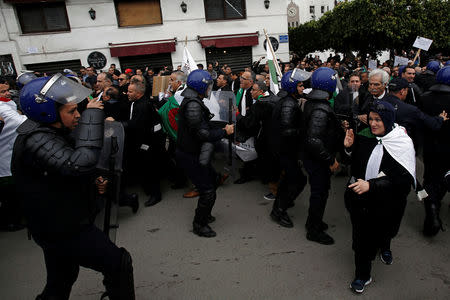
(208, 88)
(26, 77)
(64, 90)
(300, 75)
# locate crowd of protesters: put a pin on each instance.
(333, 116)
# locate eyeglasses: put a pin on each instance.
(121, 79)
(242, 77)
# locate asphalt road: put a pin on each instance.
(251, 257)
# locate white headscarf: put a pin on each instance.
(400, 146)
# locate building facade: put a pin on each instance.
(55, 34)
(301, 11)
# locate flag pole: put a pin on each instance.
(269, 44)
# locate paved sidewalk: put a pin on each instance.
(251, 257)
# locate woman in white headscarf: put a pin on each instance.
(383, 170)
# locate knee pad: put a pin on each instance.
(120, 286)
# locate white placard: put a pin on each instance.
(400, 61)
(422, 43)
(372, 64)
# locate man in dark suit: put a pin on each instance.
(234, 82)
(244, 101)
(221, 83)
(244, 96)
(144, 143)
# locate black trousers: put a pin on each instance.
(90, 248)
(9, 203)
(292, 182)
(175, 172)
(319, 180)
(204, 179)
(374, 224)
(144, 167)
(434, 182)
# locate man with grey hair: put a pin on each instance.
(244, 101)
(378, 81)
(144, 143)
(177, 82)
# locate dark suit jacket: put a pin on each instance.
(140, 129)
(236, 85)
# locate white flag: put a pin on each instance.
(274, 68)
(188, 64)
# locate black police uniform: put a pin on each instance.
(436, 156)
(194, 133)
(55, 175)
(286, 133)
(413, 119)
(322, 140)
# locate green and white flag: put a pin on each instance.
(273, 66)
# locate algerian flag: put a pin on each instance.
(169, 117)
(273, 64)
(188, 64)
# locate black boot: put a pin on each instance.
(315, 231)
(203, 230)
(432, 223)
(131, 200)
(319, 236)
(203, 214)
(281, 217)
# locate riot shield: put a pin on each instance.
(110, 166)
(222, 105)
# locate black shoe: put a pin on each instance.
(152, 200)
(204, 231)
(281, 217)
(211, 219)
(319, 237)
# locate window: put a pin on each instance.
(322, 9)
(43, 17)
(312, 10)
(224, 9)
(296, 23)
(138, 12)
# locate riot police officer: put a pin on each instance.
(55, 175)
(286, 129)
(436, 153)
(427, 79)
(322, 140)
(195, 141)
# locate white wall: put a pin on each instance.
(88, 35)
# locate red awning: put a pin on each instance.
(142, 48)
(229, 40)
